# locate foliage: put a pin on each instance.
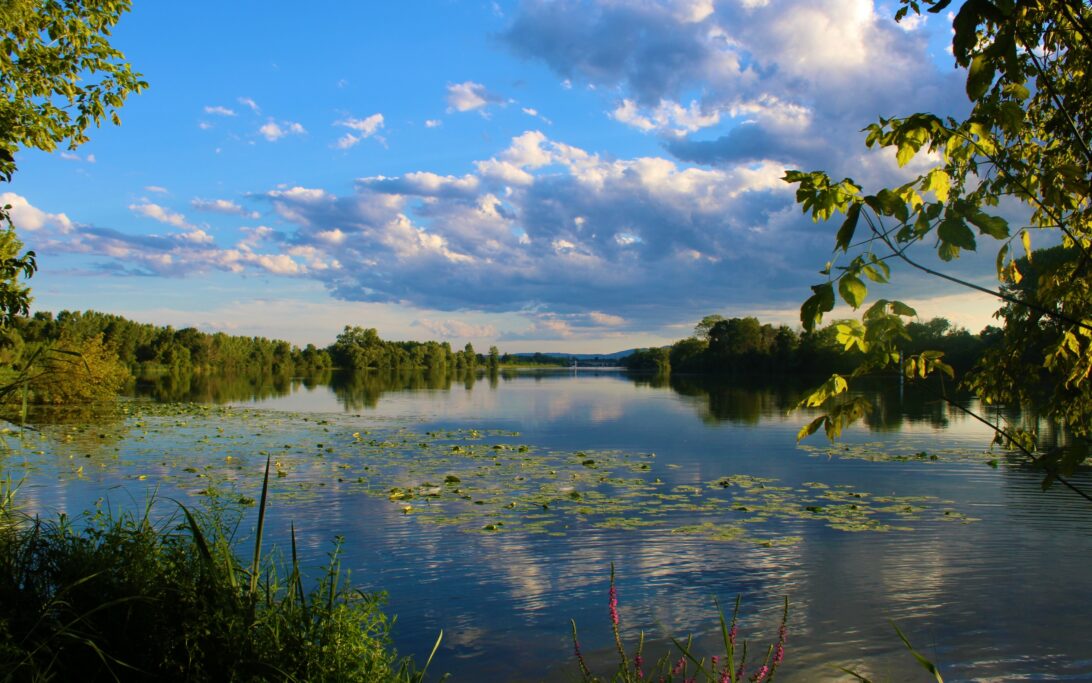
(116, 596)
(749, 347)
(1024, 144)
(73, 371)
(722, 669)
(14, 297)
(649, 360)
(58, 76)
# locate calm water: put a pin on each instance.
(524, 489)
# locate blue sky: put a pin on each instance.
(583, 175)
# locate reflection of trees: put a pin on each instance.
(737, 399)
(217, 388)
(359, 390)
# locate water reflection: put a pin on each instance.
(504, 599)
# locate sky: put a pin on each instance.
(539, 175)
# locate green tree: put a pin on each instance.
(59, 75)
(1026, 142)
(74, 371)
(703, 328)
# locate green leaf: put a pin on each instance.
(955, 232)
(811, 312)
(849, 226)
(994, 226)
(899, 308)
(853, 291)
(980, 76)
(938, 182)
(810, 428)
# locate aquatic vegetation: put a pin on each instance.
(475, 480)
(113, 595)
(684, 665)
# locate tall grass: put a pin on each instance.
(118, 596)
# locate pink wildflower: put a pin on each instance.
(680, 666)
(613, 604)
(732, 635)
(761, 675)
(779, 654)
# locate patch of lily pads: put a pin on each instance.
(478, 481)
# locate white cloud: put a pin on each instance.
(225, 206)
(433, 123)
(72, 156)
(366, 128)
(161, 214)
(219, 111)
(274, 131)
(27, 217)
(456, 329)
(156, 188)
(251, 104)
(468, 96)
(668, 116)
(606, 319)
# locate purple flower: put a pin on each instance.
(638, 661)
(613, 604)
(758, 677)
(680, 666)
(779, 654)
(732, 635)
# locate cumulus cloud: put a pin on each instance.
(27, 217)
(364, 128)
(423, 184)
(225, 206)
(723, 82)
(469, 96)
(160, 213)
(273, 131)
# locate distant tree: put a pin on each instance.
(494, 358)
(703, 328)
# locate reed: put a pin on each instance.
(116, 596)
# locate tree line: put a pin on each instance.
(88, 355)
(747, 346)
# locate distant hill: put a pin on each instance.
(617, 355)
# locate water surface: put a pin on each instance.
(694, 489)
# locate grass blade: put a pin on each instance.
(925, 663)
(256, 564)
